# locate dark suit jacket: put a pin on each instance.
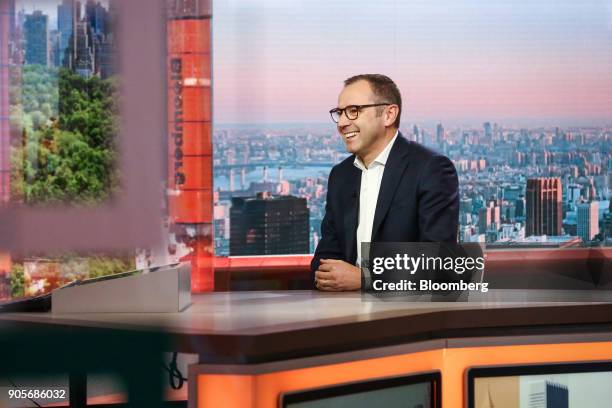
(418, 201)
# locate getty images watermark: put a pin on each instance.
(418, 271)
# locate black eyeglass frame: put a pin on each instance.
(359, 107)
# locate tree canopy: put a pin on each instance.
(68, 149)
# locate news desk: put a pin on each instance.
(254, 347)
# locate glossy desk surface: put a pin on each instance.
(250, 327)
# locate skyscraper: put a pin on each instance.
(489, 217)
(588, 220)
(36, 35)
(484, 220)
(544, 206)
(266, 225)
(96, 16)
(573, 194)
(519, 204)
(107, 57)
(440, 136)
(54, 57)
(607, 224)
(66, 25)
(90, 12)
(84, 61)
(512, 192)
(547, 394)
(488, 131)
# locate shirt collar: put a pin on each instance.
(381, 158)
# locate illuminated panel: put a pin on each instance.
(190, 183)
(264, 390)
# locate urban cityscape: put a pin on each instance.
(519, 187)
(74, 35)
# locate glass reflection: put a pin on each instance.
(62, 99)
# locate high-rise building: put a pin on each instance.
(66, 25)
(465, 205)
(484, 220)
(90, 12)
(519, 204)
(266, 225)
(508, 211)
(440, 136)
(54, 54)
(489, 217)
(96, 15)
(573, 194)
(488, 131)
(84, 61)
(607, 225)
(36, 36)
(512, 193)
(547, 394)
(588, 220)
(544, 206)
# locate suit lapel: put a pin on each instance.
(396, 164)
(351, 213)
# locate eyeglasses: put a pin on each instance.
(352, 111)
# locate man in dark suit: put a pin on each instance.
(389, 190)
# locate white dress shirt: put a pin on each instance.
(368, 194)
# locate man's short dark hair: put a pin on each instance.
(384, 90)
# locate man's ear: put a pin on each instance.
(391, 114)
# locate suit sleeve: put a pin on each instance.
(439, 201)
(329, 245)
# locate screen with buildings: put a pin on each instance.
(59, 115)
(515, 93)
(59, 139)
(558, 390)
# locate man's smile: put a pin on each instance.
(350, 135)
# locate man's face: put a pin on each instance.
(360, 135)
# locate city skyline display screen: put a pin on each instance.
(558, 386)
(63, 110)
(516, 94)
(63, 103)
(60, 137)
